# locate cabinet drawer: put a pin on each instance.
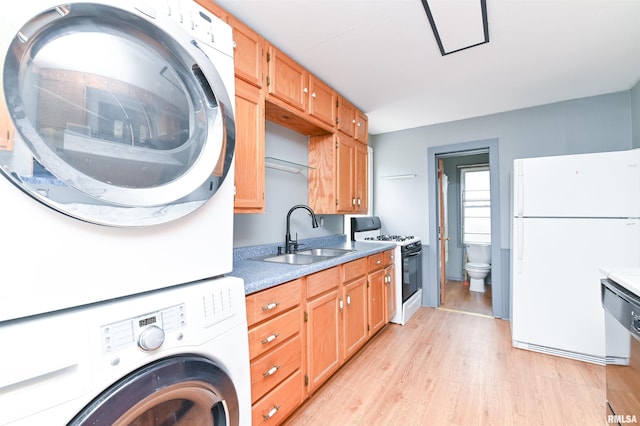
(355, 269)
(388, 257)
(268, 335)
(375, 261)
(279, 403)
(272, 368)
(323, 281)
(270, 302)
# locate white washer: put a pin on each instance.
(87, 365)
(117, 177)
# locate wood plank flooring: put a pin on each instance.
(458, 297)
(450, 368)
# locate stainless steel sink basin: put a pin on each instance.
(293, 259)
(305, 257)
(328, 252)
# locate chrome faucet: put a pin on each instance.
(288, 242)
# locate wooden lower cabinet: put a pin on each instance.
(354, 295)
(274, 317)
(302, 332)
(274, 408)
(323, 322)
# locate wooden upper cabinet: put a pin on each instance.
(248, 53)
(338, 175)
(346, 117)
(362, 127)
(250, 136)
(287, 80)
(351, 121)
(322, 101)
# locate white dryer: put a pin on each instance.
(116, 154)
(176, 356)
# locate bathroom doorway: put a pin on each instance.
(464, 220)
(446, 285)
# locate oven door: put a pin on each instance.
(186, 390)
(120, 118)
(411, 271)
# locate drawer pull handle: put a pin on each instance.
(270, 306)
(271, 413)
(378, 262)
(270, 338)
(271, 371)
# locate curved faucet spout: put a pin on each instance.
(288, 242)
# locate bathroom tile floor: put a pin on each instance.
(450, 368)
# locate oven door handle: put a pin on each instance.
(413, 254)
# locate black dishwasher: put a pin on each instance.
(622, 335)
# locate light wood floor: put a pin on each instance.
(459, 297)
(450, 368)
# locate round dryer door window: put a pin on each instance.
(121, 119)
(187, 390)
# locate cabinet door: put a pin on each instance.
(361, 177)
(344, 174)
(287, 79)
(322, 101)
(323, 343)
(355, 316)
(346, 117)
(249, 167)
(377, 302)
(248, 53)
(362, 128)
(390, 283)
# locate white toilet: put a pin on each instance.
(479, 266)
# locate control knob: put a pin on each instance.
(151, 338)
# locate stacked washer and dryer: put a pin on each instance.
(116, 217)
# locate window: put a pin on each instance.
(476, 205)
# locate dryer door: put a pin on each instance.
(186, 390)
(121, 118)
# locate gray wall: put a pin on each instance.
(635, 114)
(601, 123)
(595, 124)
(282, 191)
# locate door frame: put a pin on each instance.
(499, 293)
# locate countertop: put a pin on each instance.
(628, 277)
(259, 275)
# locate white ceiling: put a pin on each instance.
(382, 54)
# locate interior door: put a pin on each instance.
(441, 232)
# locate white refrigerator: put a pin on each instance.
(572, 215)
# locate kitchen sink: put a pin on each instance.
(305, 257)
(293, 258)
(328, 252)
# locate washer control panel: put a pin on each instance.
(147, 332)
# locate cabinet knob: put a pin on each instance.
(313, 95)
(305, 90)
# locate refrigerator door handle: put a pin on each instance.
(519, 187)
(519, 238)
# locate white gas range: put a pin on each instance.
(408, 264)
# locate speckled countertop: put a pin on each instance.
(259, 275)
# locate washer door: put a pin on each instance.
(186, 390)
(121, 118)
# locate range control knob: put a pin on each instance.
(151, 338)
